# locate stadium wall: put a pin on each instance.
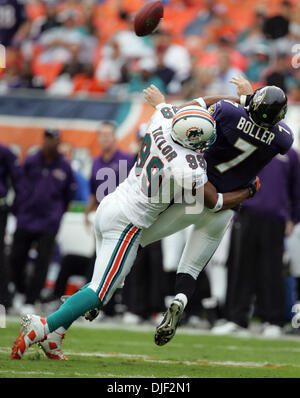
(23, 117)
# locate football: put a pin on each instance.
(148, 18)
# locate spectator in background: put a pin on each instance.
(10, 80)
(220, 25)
(13, 24)
(47, 21)
(107, 166)
(277, 29)
(130, 45)
(259, 61)
(253, 36)
(174, 56)
(223, 74)
(294, 26)
(109, 68)
(10, 176)
(86, 84)
(27, 78)
(279, 74)
(47, 189)
(163, 72)
(277, 26)
(64, 43)
(82, 193)
(144, 76)
(203, 18)
(64, 83)
(198, 82)
(293, 85)
(255, 266)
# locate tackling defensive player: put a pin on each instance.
(249, 135)
(170, 161)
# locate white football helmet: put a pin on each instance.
(193, 127)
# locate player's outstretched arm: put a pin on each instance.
(154, 96)
(217, 202)
(244, 89)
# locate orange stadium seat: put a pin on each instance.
(48, 72)
(35, 9)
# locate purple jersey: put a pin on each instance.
(12, 15)
(242, 148)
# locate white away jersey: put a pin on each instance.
(162, 171)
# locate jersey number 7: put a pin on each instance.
(245, 147)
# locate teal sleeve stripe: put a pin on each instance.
(133, 239)
(113, 256)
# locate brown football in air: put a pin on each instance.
(148, 18)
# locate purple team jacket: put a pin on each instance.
(47, 190)
(279, 195)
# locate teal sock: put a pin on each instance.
(76, 306)
(85, 286)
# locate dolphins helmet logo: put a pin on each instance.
(193, 134)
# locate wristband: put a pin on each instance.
(201, 102)
(161, 105)
(219, 204)
(243, 99)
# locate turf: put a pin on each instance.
(117, 353)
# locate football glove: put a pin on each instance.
(254, 187)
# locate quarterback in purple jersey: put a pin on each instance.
(250, 132)
(242, 147)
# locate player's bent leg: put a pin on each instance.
(170, 221)
(203, 240)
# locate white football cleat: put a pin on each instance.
(165, 331)
(52, 346)
(32, 331)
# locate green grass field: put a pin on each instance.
(105, 353)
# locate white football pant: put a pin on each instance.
(117, 242)
(203, 238)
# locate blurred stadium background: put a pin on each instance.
(72, 64)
